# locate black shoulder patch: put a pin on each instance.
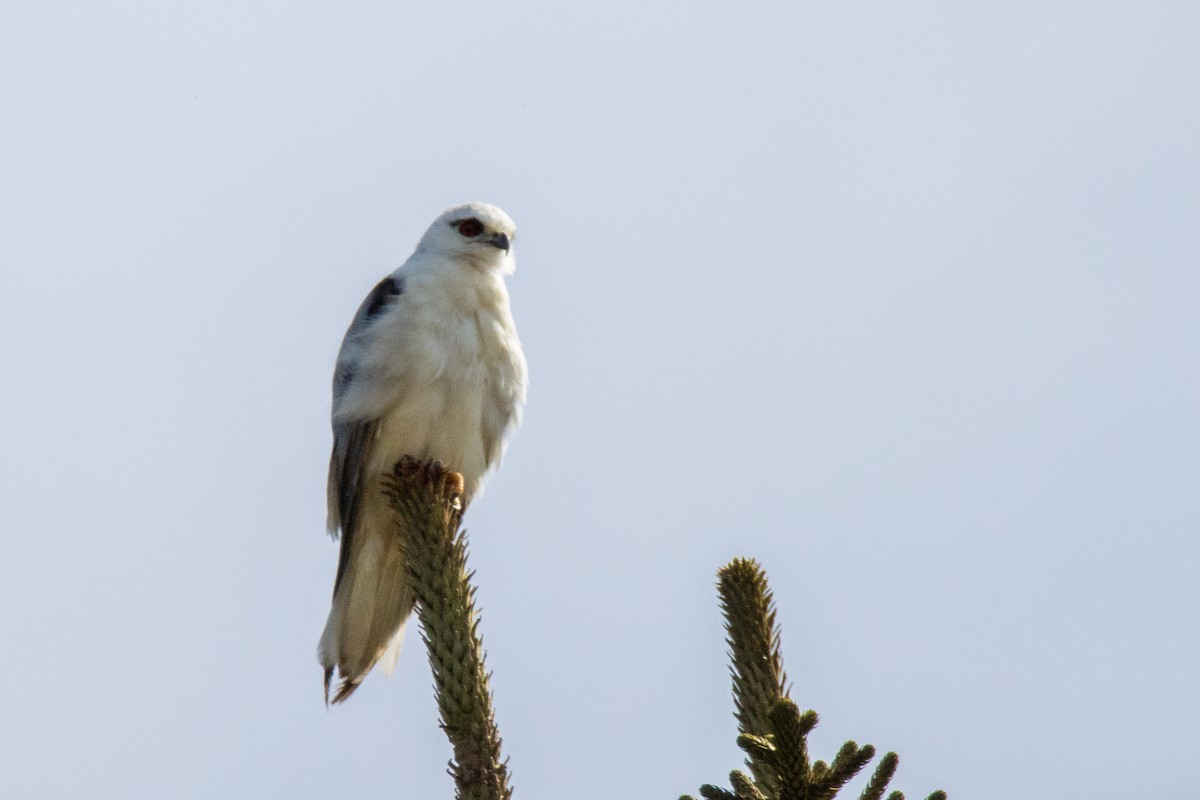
(388, 289)
(375, 304)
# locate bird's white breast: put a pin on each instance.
(455, 364)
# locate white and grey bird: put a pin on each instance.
(431, 367)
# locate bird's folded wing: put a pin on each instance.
(353, 439)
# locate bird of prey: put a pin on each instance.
(432, 368)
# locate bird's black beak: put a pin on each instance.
(501, 240)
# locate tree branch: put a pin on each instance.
(428, 499)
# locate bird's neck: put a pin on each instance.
(467, 285)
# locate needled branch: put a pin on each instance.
(756, 659)
(754, 648)
(428, 499)
(882, 777)
(773, 730)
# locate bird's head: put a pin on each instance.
(478, 233)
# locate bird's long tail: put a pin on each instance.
(372, 602)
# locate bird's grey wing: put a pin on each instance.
(353, 439)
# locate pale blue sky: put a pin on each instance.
(902, 299)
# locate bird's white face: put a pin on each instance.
(479, 233)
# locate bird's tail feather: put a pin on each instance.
(370, 607)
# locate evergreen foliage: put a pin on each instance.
(774, 732)
(428, 499)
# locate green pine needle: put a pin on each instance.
(773, 732)
(881, 777)
(849, 761)
(759, 748)
(791, 741)
(754, 645)
(743, 787)
(755, 654)
(427, 497)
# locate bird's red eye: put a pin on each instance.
(470, 227)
